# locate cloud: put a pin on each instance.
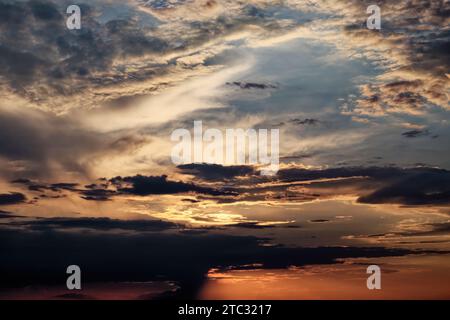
(99, 224)
(216, 172)
(421, 188)
(11, 198)
(319, 221)
(146, 47)
(136, 51)
(39, 144)
(55, 187)
(406, 186)
(409, 51)
(97, 194)
(422, 233)
(8, 215)
(141, 257)
(252, 225)
(96, 102)
(138, 185)
(147, 185)
(252, 85)
(43, 142)
(310, 122)
(53, 67)
(418, 186)
(415, 133)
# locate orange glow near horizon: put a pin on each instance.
(415, 277)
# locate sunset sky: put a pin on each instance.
(86, 175)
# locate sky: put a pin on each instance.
(86, 175)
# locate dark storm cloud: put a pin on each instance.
(101, 224)
(44, 10)
(64, 185)
(42, 257)
(11, 198)
(41, 187)
(408, 186)
(252, 85)
(420, 189)
(131, 41)
(309, 122)
(415, 133)
(216, 172)
(19, 67)
(136, 185)
(97, 194)
(147, 185)
(413, 186)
